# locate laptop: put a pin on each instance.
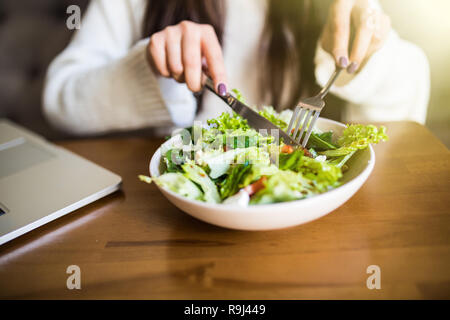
(40, 182)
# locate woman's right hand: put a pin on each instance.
(181, 52)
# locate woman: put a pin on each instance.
(136, 63)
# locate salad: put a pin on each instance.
(231, 163)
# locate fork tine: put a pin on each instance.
(305, 124)
(299, 123)
(293, 120)
(311, 126)
(312, 106)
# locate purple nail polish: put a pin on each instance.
(222, 89)
(343, 62)
(352, 67)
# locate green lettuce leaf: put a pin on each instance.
(326, 136)
(290, 161)
(356, 137)
(280, 119)
(238, 95)
(270, 114)
(256, 172)
(340, 161)
(282, 186)
(219, 162)
(230, 185)
(227, 121)
(173, 160)
(323, 175)
(321, 141)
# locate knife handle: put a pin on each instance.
(228, 99)
(210, 84)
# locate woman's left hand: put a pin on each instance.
(369, 24)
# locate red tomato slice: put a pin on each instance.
(253, 188)
(287, 149)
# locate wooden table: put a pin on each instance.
(135, 244)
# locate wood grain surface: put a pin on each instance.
(135, 244)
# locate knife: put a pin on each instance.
(254, 119)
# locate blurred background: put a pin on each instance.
(427, 24)
(33, 32)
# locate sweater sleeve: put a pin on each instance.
(101, 81)
(394, 83)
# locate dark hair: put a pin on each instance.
(288, 41)
(288, 44)
(162, 13)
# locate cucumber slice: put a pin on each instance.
(178, 183)
(199, 176)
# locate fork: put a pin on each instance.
(309, 109)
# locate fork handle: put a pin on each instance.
(330, 82)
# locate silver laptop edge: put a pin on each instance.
(40, 182)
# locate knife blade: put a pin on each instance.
(254, 119)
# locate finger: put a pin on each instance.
(191, 57)
(212, 52)
(360, 47)
(157, 54)
(173, 52)
(205, 71)
(205, 67)
(340, 30)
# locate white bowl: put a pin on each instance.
(278, 215)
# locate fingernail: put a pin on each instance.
(352, 67)
(343, 62)
(222, 89)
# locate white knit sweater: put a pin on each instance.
(102, 82)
